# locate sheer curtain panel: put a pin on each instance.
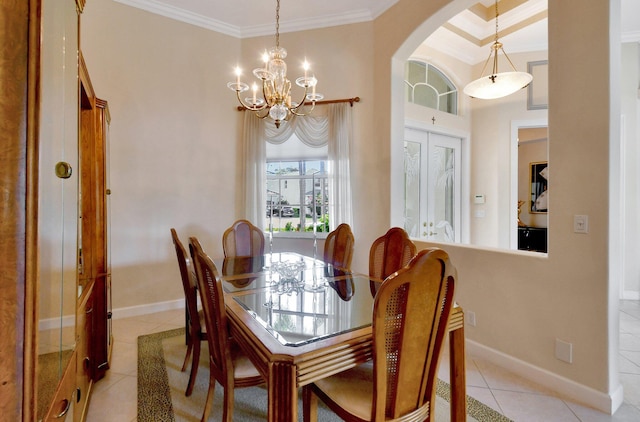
(328, 125)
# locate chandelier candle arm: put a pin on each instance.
(276, 87)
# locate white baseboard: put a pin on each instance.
(587, 396)
(630, 295)
(56, 323)
(148, 308)
(131, 311)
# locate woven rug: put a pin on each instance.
(161, 388)
(50, 368)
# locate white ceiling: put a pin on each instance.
(247, 18)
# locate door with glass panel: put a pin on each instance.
(432, 163)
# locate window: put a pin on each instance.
(297, 195)
(429, 87)
(306, 164)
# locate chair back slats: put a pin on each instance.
(212, 297)
(338, 247)
(188, 284)
(388, 254)
(411, 314)
(243, 239)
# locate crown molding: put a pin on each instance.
(306, 24)
(182, 15)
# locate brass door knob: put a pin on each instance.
(63, 170)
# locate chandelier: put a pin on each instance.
(497, 85)
(275, 101)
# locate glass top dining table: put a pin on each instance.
(300, 319)
(298, 299)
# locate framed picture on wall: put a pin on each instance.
(538, 89)
(539, 177)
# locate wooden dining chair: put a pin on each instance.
(228, 365)
(338, 247)
(243, 239)
(410, 321)
(388, 254)
(195, 319)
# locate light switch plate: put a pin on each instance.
(581, 224)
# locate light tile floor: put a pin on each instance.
(114, 398)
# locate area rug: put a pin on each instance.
(161, 388)
(50, 368)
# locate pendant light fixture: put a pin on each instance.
(497, 85)
(275, 101)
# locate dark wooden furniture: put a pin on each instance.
(532, 239)
(331, 334)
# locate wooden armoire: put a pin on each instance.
(55, 308)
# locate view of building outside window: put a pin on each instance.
(297, 196)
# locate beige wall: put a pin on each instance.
(174, 136)
(527, 302)
(175, 131)
(173, 142)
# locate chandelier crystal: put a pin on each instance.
(275, 101)
(497, 85)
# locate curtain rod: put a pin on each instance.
(343, 100)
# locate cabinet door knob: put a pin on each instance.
(67, 405)
(63, 170)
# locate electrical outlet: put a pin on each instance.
(471, 318)
(564, 351)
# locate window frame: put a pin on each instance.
(438, 95)
(321, 177)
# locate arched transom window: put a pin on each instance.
(429, 87)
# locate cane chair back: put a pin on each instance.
(243, 239)
(410, 321)
(338, 247)
(388, 254)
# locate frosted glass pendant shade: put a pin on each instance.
(497, 86)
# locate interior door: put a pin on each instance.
(432, 185)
